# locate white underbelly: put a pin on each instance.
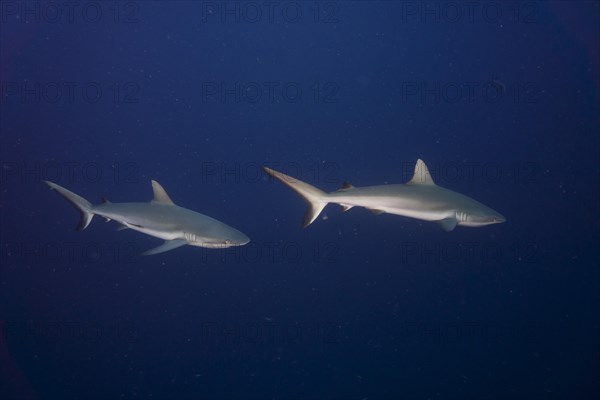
(165, 235)
(419, 214)
(409, 208)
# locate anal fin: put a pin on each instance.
(346, 207)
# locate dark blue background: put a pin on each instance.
(361, 306)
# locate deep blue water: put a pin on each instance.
(500, 99)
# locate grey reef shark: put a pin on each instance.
(160, 218)
(419, 198)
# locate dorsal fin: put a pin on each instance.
(160, 195)
(421, 175)
(104, 200)
(345, 186)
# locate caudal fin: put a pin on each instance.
(82, 205)
(315, 198)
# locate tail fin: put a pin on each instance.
(315, 198)
(82, 205)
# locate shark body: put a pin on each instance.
(160, 218)
(419, 198)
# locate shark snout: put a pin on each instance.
(236, 238)
(240, 239)
(499, 218)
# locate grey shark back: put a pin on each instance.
(419, 198)
(160, 218)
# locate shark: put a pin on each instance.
(419, 198)
(160, 218)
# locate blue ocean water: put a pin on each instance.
(500, 99)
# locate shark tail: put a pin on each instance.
(315, 198)
(82, 205)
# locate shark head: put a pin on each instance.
(230, 238)
(481, 217)
(220, 236)
(199, 230)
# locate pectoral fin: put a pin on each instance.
(166, 246)
(447, 224)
